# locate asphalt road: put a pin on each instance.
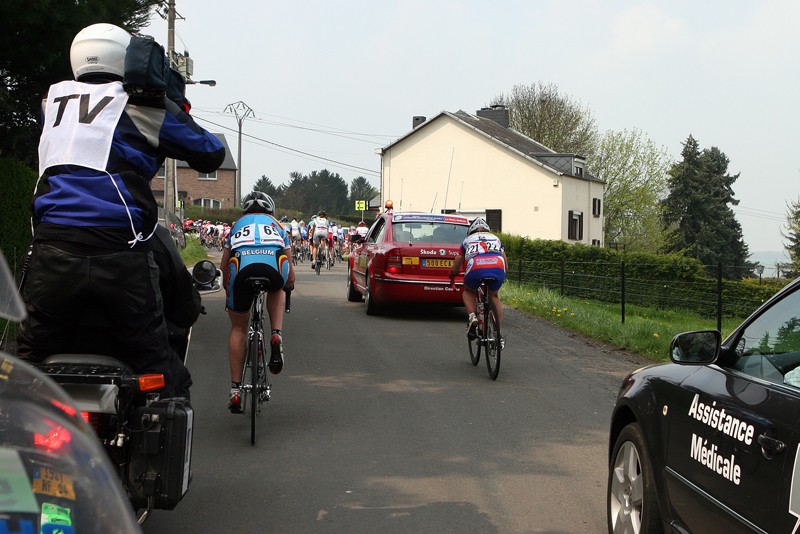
(381, 424)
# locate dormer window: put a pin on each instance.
(578, 171)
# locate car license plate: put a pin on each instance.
(48, 481)
(430, 262)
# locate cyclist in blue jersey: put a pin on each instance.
(256, 246)
(485, 258)
(94, 213)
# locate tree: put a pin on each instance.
(35, 38)
(635, 172)
(264, 185)
(360, 189)
(792, 234)
(293, 194)
(696, 213)
(328, 191)
(552, 119)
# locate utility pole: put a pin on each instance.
(170, 177)
(241, 111)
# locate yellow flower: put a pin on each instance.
(655, 334)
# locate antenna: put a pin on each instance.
(460, 195)
(401, 194)
(448, 178)
(434, 201)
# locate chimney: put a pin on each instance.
(417, 120)
(497, 113)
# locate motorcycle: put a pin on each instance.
(148, 438)
(54, 475)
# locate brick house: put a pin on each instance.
(215, 190)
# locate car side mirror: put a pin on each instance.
(699, 348)
(356, 238)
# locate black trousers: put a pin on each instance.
(102, 303)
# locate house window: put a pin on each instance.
(207, 176)
(578, 171)
(207, 203)
(596, 206)
(595, 242)
(575, 225)
(494, 218)
(162, 171)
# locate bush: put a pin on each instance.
(15, 211)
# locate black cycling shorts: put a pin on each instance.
(240, 294)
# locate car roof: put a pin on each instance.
(451, 218)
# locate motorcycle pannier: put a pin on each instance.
(161, 453)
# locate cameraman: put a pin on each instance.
(94, 212)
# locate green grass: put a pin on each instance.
(193, 252)
(646, 331)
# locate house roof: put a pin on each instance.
(228, 164)
(508, 138)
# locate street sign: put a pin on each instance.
(361, 205)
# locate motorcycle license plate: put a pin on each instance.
(48, 481)
(430, 262)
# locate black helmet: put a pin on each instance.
(258, 201)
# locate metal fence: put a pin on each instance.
(641, 285)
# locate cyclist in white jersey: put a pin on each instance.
(320, 236)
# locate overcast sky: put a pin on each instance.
(331, 81)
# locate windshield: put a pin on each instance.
(10, 304)
(431, 232)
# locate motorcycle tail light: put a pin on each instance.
(55, 438)
(102, 423)
(150, 382)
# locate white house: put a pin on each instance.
(477, 165)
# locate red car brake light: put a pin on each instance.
(394, 263)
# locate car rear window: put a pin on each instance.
(430, 231)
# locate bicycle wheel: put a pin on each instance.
(246, 378)
(493, 346)
(255, 352)
(475, 347)
(318, 265)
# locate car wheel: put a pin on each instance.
(369, 302)
(352, 293)
(632, 500)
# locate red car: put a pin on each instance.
(406, 257)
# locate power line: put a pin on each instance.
(336, 132)
(294, 150)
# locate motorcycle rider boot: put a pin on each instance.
(472, 326)
(276, 356)
(235, 401)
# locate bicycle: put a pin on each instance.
(256, 386)
(329, 257)
(487, 334)
(322, 256)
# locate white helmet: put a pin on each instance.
(257, 201)
(99, 48)
(478, 225)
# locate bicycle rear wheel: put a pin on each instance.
(318, 265)
(475, 347)
(246, 379)
(492, 337)
(255, 351)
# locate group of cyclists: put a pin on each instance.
(93, 204)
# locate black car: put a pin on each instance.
(709, 442)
